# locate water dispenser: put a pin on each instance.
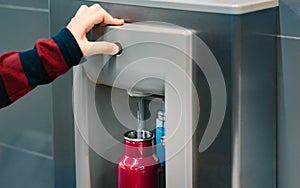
(206, 71)
(156, 61)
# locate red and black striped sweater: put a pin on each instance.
(20, 72)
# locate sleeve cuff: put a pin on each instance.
(69, 47)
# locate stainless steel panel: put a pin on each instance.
(217, 6)
(289, 102)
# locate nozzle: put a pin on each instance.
(136, 93)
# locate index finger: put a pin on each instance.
(108, 19)
(102, 16)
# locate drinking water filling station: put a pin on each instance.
(189, 102)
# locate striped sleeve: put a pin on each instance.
(20, 72)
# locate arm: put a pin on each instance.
(20, 72)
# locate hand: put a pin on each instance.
(84, 20)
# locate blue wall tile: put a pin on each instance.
(19, 169)
(21, 28)
(26, 126)
(26, 123)
(26, 3)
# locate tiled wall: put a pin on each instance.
(26, 157)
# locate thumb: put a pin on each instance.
(101, 47)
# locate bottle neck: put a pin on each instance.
(138, 148)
